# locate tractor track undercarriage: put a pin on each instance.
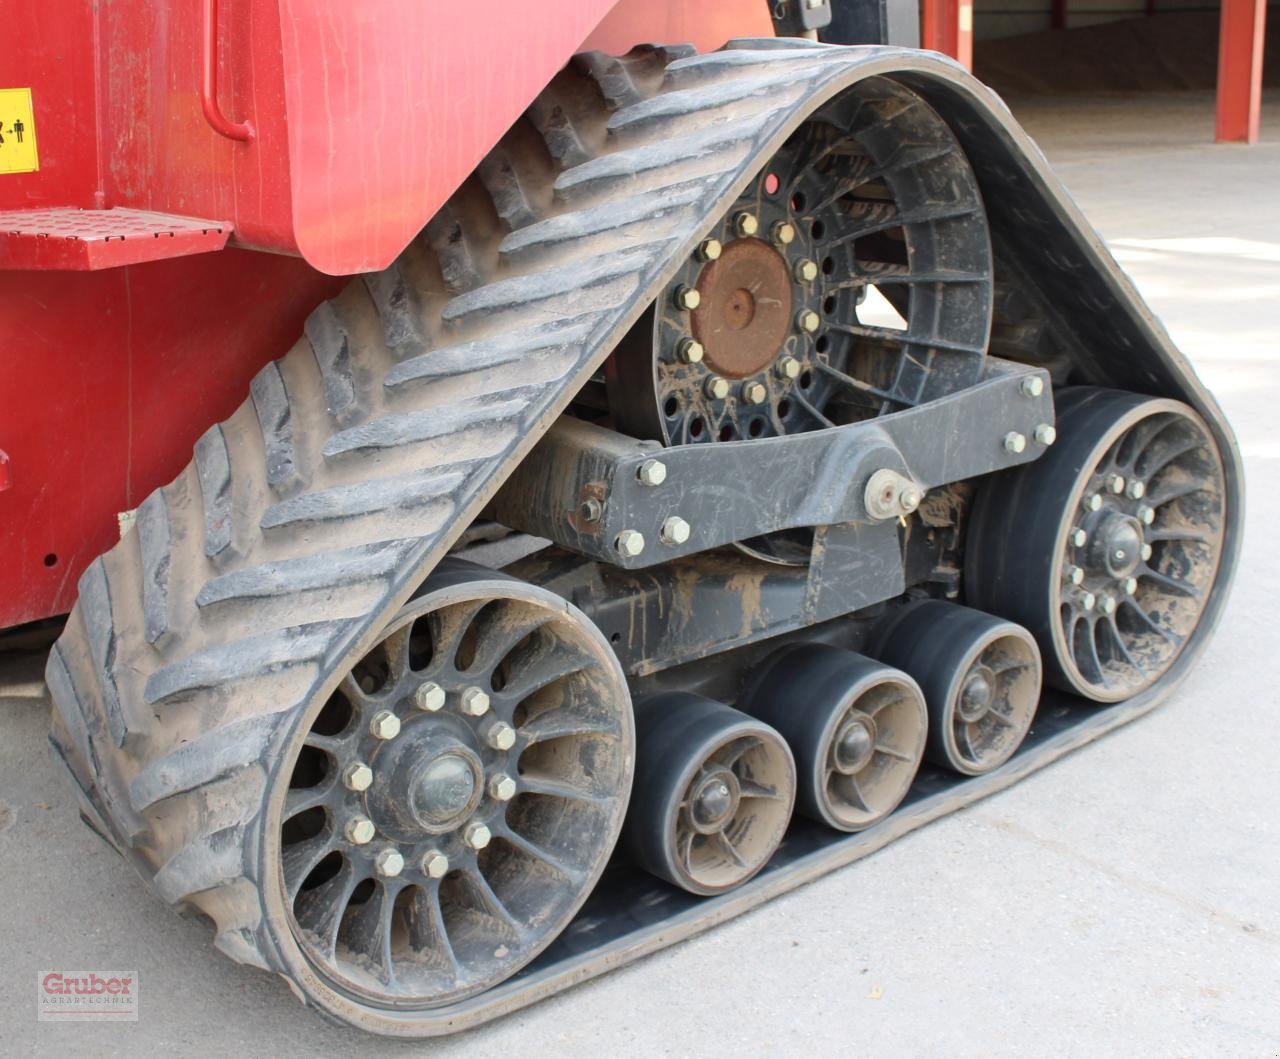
(395, 779)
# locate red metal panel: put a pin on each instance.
(108, 379)
(1240, 43)
(947, 26)
(65, 238)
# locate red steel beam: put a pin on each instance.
(947, 26)
(1240, 71)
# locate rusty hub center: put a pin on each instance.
(745, 312)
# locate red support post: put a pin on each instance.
(947, 26)
(1240, 71)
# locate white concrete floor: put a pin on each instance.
(1125, 900)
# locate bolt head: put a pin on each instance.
(709, 249)
(1093, 502)
(502, 787)
(805, 271)
(1146, 515)
(675, 530)
(652, 472)
(717, 388)
(808, 320)
(1078, 538)
(357, 776)
(1115, 483)
(384, 725)
(1146, 553)
(687, 298)
(474, 702)
(1130, 585)
(754, 392)
(429, 697)
(1137, 490)
(1015, 442)
(782, 233)
(1074, 574)
(500, 736)
(909, 498)
(1033, 386)
(746, 223)
(1045, 434)
(1088, 600)
(787, 368)
(690, 351)
(629, 543)
(388, 863)
(476, 836)
(359, 830)
(1108, 605)
(435, 865)
(590, 510)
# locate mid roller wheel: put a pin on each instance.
(856, 727)
(1106, 547)
(454, 802)
(713, 795)
(980, 676)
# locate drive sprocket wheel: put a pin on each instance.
(454, 801)
(1107, 547)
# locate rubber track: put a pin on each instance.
(308, 516)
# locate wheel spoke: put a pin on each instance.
(319, 911)
(853, 793)
(300, 799)
(561, 724)
(367, 929)
(1113, 630)
(530, 784)
(301, 857)
(751, 789)
(426, 924)
(720, 841)
(1155, 536)
(450, 625)
(545, 671)
(1172, 584)
(893, 752)
(1174, 491)
(493, 905)
(532, 849)
(496, 643)
(1171, 637)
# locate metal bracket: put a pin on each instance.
(594, 491)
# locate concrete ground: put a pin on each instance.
(1124, 901)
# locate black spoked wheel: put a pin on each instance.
(851, 278)
(856, 727)
(456, 799)
(1108, 546)
(714, 793)
(980, 676)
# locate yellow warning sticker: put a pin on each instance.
(17, 132)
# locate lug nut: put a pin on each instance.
(1045, 434)
(384, 725)
(429, 697)
(435, 865)
(746, 224)
(357, 776)
(716, 387)
(782, 233)
(1115, 483)
(476, 836)
(687, 298)
(500, 736)
(629, 543)
(1033, 386)
(359, 830)
(1130, 585)
(709, 249)
(590, 510)
(1146, 514)
(754, 392)
(787, 368)
(502, 787)
(805, 271)
(1108, 605)
(1015, 442)
(389, 863)
(675, 530)
(1093, 502)
(1074, 574)
(808, 320)
(474, 702)
(1088, 600)
(1136, 491)
(652, 472)
(1146, 553)
(909, 499)
(690, 351)
(1078, 538)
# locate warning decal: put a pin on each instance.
(17, 132)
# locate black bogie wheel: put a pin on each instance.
(856, 727)
(456, 798)
(1107, 547)
(713, 794)
(980, 676)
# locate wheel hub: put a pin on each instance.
(1116, 545)
(978, 694)
(714, 801)
(855, 744)
(745, 311)
(445, 789)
